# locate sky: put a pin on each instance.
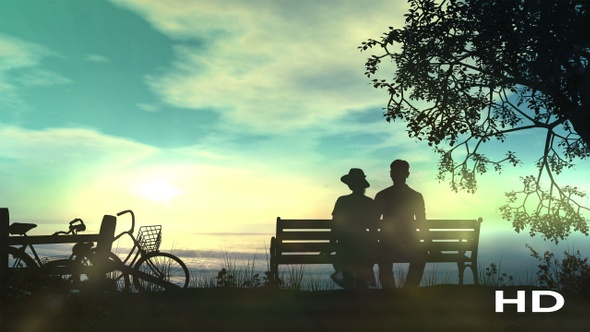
(207, 116)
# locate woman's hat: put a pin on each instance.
(355, 178)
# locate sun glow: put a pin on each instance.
(159, 190)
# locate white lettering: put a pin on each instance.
(559, 301)
(519, 301)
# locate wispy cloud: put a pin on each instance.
(97, 58)
(266, 66)
(20, 68)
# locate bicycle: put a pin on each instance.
(29, 272)
(152, 270)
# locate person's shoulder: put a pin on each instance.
(344, 198)
(415, 193)
(368, 199)
(384, 192)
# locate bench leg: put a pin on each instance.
(461, 268)
(274, 267)
(473, 267)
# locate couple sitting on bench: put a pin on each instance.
(367, 231)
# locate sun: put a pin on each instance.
(159, 190)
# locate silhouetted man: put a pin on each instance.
(403, 212)
(353, 216)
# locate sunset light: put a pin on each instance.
(159, 190)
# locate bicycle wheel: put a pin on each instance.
(166, 268)
(78, 274)
(65, 274)
(116, 280)
(23, 272)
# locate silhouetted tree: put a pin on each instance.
(472, 71)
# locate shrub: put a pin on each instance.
(570, 274)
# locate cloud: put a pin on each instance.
(44, 171)
(77, 146)
(75, 172)
(97, 58)
(19, 68)
(16, 53)
(266, 66)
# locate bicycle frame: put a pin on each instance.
(75, 226)
(136, 251)
(137, 256)
(35, 257)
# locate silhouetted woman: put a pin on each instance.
(354, 225)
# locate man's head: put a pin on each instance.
(399, 170)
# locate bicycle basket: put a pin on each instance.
(150, 237)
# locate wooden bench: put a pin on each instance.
(302, 241)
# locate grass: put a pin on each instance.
(232, 301)
(492, 275)
(297, 278)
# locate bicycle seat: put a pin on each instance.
(19, 228)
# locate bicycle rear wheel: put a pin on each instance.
(168, 269)
(23, 272)
(79, 274)
(65, 274)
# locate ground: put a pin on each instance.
(436, 308)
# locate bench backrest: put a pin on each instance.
(300, 241)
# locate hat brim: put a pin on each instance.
(347, 179)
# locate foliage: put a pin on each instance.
(571, 274)
(226, 279)
(468, 72)
(493, 277)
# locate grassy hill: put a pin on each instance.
(435, 308)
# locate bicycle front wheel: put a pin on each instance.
(167, 269)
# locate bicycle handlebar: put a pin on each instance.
(76, 225)
(132, 229)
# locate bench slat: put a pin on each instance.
(323, 259)
(319, 235)
(305, 247)
(305, 259)
(451, 235)
(450, 246)
(283, 224)
(453, 224)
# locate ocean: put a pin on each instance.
(205, 254)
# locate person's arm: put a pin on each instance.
(420, 212)
(379, 209)
(334, 232)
